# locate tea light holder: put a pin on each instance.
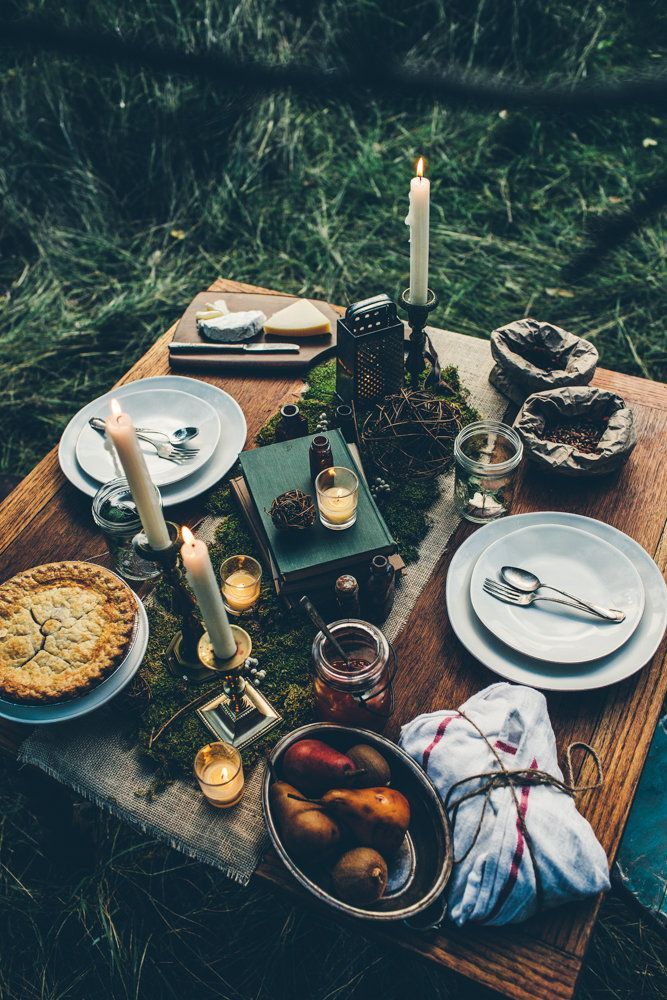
(219, 770)
(417, 353)
(182, 655)
(337, 491)
(240, 714)
(241, 581)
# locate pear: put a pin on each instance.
(305, 828)
(314, 767)
(360, 876)
(375, 817)
(375, 769)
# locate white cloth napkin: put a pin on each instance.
(495, 883)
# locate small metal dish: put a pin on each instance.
(419, 872)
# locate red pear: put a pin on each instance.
(314, 767)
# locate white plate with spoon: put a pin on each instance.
(573, 561)
(156, 410)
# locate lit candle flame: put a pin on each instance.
(225, 774)
(187, 535)
(420, 167)
(116, 408)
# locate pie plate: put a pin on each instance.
(575, 561)
(556, 676)
(63, 711)
(159, 409)
(232, 436)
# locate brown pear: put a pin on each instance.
(360, 876)
(307, 831)
(373, 769)
(375, 817)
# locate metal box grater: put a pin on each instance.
(370, 350)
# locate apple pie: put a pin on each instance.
(63, 628)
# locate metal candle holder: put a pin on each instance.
(239, 715)
(182, 653)
(417, 316)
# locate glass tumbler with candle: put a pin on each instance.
(115, 513)
(337, 491)
(241, 581)
(487, 455)
(219, 771)
(357, 692)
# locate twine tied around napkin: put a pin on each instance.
(506, 778)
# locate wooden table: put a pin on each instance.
(46, 519)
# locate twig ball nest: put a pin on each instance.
(411, 434)
(293, 511)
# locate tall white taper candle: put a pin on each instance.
(418, 221)
(120, 429)
(200, 576)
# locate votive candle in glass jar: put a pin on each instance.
(241, 581)
(115, 513)
(337, 491)
(487, 455)
(219, 771)
(359, 692)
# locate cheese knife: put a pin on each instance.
(188, 347)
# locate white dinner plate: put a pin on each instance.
(572, 560)
(62, 711)
(159, 409)
(521, 669)
(232, 437)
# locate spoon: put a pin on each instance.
(528, 583)
(319, 622)
(177, 438)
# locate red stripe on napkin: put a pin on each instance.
(506, 747)
(518, 852)
(440, 732)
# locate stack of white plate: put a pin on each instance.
(547, 645)
(164, 403)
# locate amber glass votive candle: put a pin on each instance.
(219, 771)
(337, 496)
(241, 581)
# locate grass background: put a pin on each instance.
(122, 194)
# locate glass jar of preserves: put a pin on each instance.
(359, 692)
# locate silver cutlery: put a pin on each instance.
(195, 347)
(177, 454)
(177, 439)
(528, 583)
(510, 596)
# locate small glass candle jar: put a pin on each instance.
(337, 497)
(219, 771)
(487, 455)
(241, 581)
(114, 511)
(358, 693)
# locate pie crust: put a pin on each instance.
(63, 628)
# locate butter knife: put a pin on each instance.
(186, 347)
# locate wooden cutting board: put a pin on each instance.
(313, 349)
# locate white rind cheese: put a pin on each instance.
(233, 327)
(300, 319)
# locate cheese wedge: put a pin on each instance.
(300, 319)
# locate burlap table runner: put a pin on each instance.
(92, 754)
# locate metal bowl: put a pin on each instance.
(419, 872)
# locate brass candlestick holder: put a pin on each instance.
(182, 655)
(417, 349)
(240, 715)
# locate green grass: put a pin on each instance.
(121, 196)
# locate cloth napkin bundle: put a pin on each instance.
(495, 883)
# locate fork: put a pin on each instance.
(510, 596)
(178, 455)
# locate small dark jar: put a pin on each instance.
(380, 589)
(292, 424)
(320, 455)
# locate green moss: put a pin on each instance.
(281, 639)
